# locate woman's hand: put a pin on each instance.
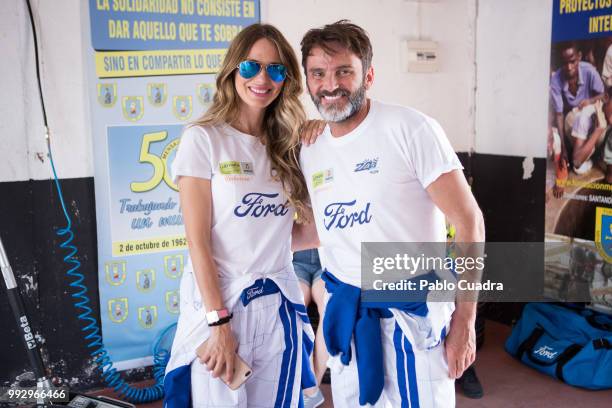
(219, 352)
(311, 130)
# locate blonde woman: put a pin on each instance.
(240, 189)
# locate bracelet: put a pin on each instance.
(221, 321)
(215, 315)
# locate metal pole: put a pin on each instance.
(19, 312)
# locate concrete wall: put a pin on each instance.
(63, 74)
(512, 64)
(447, 95)
(489, 94)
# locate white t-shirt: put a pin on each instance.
(369, 185)
(606, 70)
(251, 218)
(251, 227)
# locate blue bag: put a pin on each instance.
(573, 345)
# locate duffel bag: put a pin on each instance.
(573, 345)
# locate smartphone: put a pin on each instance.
(242, 372)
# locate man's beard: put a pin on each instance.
(333, 113)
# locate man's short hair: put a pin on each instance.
(566, 45)
(344, 33)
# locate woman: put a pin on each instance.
(240, 187)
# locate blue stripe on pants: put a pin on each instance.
(400, 362)
(412, 380)
(291, 379)
(288, 357)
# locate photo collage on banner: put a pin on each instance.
(579, 154)
(152, 67)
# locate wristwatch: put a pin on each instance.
(218, 317)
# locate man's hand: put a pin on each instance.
(460, 344)
(561, 176)
(601, 117)
(311, 130)
(558, 191)
(584, 103)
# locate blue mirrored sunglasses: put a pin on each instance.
(249, 69)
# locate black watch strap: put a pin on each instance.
(222, 321)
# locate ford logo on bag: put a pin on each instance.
(546, 352)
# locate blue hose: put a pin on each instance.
(92, 330)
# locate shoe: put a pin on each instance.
(584, 167)
(315, 400)
(470, 385)
(326, 377)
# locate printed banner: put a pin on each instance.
(165, 37)
(145, 212)
(140, 101)
(579, 157)
(118, 64)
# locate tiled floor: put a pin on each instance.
(509, 384)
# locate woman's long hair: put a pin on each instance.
(283, 117)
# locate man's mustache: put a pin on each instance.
(337, 92)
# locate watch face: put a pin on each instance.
(212, 317)
(215, 315)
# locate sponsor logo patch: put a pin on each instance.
(236, 167)
(370, 165)
(322, 177)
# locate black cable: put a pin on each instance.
(38, 81)
(82, 301)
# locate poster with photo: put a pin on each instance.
(579, 154)
(151, 71)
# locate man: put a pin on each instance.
(382, 173)
(606, 69)
(574, 89)
(602, 134)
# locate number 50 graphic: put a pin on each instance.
(159, 163)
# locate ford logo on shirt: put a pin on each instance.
(342, 215)
(259, 205)
(252, 292)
